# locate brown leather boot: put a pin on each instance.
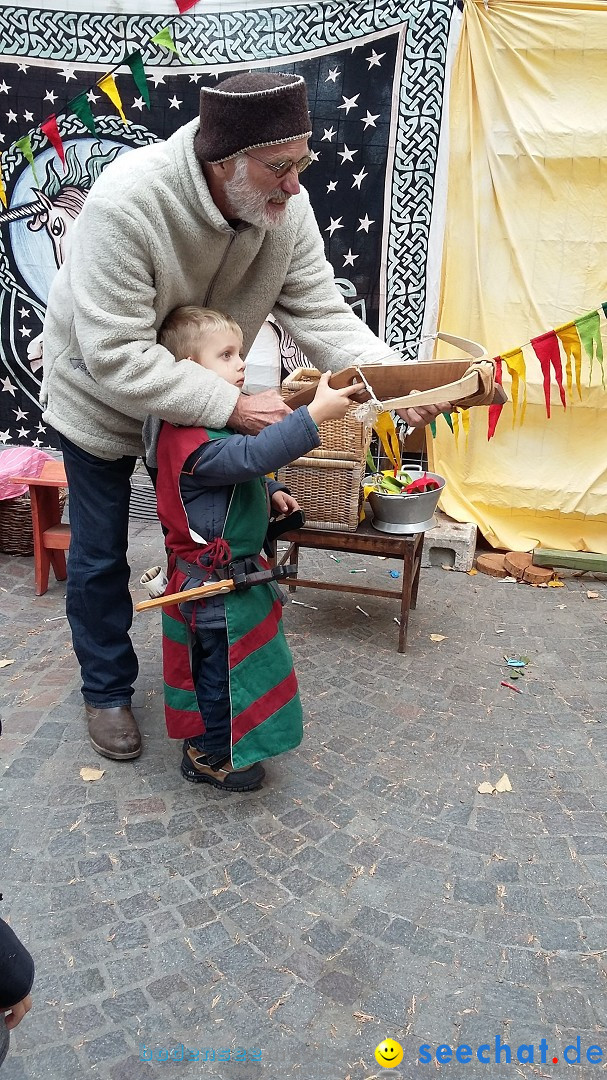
(195, 767)
(113, 732)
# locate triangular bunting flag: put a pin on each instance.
(515, 362)
(454, 426)
(572, 347)
(81, 108)
(589, 329)
(135, 63)
(2, 187)
(25, 146)
(108, 85)
(185, 5)
(164, 39)
(546, 348)
(50, 129)
(495, 411)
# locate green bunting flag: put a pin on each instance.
(25, 147)
(135, 63)
(81, 108)
(164, 39)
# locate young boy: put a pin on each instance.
(230, 688)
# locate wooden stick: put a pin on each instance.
(214, 588)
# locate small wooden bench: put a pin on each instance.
(365, 541)
(51, 538)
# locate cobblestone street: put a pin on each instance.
(367, 891)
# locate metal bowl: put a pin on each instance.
(405, 514)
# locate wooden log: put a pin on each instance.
(516, 562)
(572, 560)
(491, 563)
(538, 575)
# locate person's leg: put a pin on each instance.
(99, 606)
(207, 758)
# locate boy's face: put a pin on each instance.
(221, 354)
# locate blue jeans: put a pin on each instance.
(99, 606)
(212, 680)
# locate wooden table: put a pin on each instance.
(365, 541)
(51, 538)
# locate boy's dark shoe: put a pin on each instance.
(196, 767)
(113, 732)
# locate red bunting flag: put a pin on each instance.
(495, 411)
(185, 5)
(50, 129)
(546, 348)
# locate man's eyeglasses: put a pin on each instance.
(281, 168)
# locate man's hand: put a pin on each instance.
(425, 414)
(254, 412)
(15, 1015)
(284, 503)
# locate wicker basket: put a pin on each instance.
(16, 530)
(328, 490)
(346, 439)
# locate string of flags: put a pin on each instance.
(80, 105)
(570, 341)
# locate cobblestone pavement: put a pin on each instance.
(367, 891)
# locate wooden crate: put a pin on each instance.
(345, 439)
(329, 490)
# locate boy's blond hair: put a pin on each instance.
(184, 329)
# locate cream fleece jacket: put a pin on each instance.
(150, 238)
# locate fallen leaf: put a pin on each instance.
(472, 572)
(91, 774)
(485, 789)
(7, 663)
(363, 1018)
(437, 637)
(589, 594)
(556, 584)
(503, 784)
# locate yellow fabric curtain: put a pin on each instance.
(526, 252)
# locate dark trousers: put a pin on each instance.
(212, 680)
(99, 606)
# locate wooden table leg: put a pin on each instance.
(418, 565)
(405, 602)
(45, 513)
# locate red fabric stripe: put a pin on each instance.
(264, 707)
(182, 725)
(258, 636)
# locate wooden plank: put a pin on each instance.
(363, 590)
(591, 561)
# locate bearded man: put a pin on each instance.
(215, 216)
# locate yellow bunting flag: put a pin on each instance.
(515, 362)
(384, 426)
(572, 347)
(455, 427)
(464, 415)
(2, 187)
(108, 85)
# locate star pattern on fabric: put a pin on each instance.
(365, 222)
(349, 258)
(335, 224)
(374, 59)
(4, 88)
(329, 133)
(22, 433)
(332, 76)
(67, 73)
(138, 103)
(332, 185)
(157, 79)
(50, 96)
(174, 102)
(369, 119)
(358, 178)
(346, 154)
(24, 331)
(7, 386)
(349, 103)
(20, 414)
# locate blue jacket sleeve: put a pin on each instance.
(239, 458)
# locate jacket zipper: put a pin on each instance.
(219, 269)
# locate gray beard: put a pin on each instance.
(247, 203)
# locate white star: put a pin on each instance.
(50, 96)
(331, 185)
(358, 178)
(335, 224)
(369, 119)
(4, 89)
(22, 67)
(41, 428)
(28, 117)
(329, 133)
(157, 79)
(24, 331)
(195, 79)
(346, 155)
(92, 97)
(349, 103)
(349, 258)
(22, 433)
(4, 436)
(8, 387)
(24, 312)
(332, 76)
(174, 102)
(374, 59)
(314, 156)
(12, 116)
(68, 73)
(20, 414)
(37, 444)
(2, 138)
(138, 103)
(364, 223)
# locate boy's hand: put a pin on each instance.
(331, 404)
(15, 1015)
(284, 503)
